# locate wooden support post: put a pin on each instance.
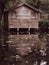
(17, 31)
(29, 30)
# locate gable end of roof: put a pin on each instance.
(23, 4)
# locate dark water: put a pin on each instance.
(30, 59)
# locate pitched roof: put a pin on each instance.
(24, 4)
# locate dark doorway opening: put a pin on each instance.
(13, 31)
(33, 30)
(23, 31)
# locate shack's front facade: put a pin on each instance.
(23, 27)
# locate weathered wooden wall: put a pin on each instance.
(23, 17)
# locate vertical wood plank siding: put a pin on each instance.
(23, 18)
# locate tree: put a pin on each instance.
(2, 37)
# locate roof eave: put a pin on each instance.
(15, 7)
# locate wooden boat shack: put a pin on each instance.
(23, 27)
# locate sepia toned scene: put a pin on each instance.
(24, 32)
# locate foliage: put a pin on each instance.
(31, 1)
(12, 3)
(42, 45)
(34, 2)
(44, 26)
(45, 6)
(43, 31)
(41, 4)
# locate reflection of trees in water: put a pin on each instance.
(33, 58)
